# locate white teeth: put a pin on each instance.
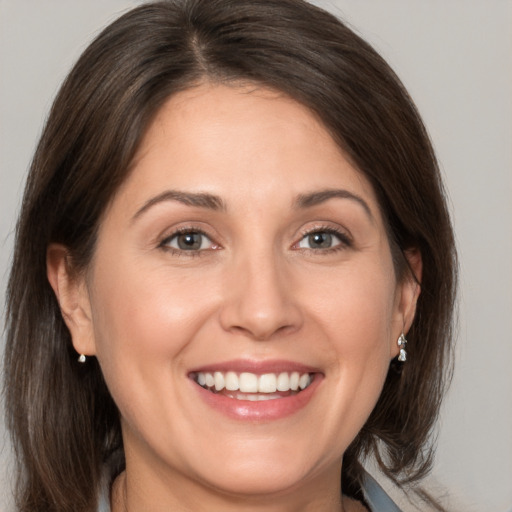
(247, 383)
(304, 381)
(231, 381)
(267, 383)
(294, 381)
(218, 377)
(257, 397)
(210, 381)
(283, 382)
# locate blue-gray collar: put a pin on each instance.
(376, 497)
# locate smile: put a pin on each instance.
(251, 386)
(256, 391)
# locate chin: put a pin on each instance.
(256, 480)
(259, 468)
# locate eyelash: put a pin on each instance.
(188, 230)
(345, 241)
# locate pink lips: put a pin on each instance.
(258, 367)
(266, 410)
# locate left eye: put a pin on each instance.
(320, 240)
(188, 241)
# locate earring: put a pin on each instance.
(82, 358)
(401, 343)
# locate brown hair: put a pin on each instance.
(63, 421)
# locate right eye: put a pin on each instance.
(320, 240)
(188, 241)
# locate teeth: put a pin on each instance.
(268, 383)
(304, 381)
(283, 382)
(231, 381)
(247, 382)
(257, 397)
(210, 381)
(294, 381)
(218, 377)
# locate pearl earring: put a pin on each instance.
(401, 343)
(82, 358)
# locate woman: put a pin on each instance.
(225, 231)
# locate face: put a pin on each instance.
(242, 300)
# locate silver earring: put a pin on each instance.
(401, 343)
(82, 358)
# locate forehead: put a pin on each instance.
(241, 142)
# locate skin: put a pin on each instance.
(257, 289)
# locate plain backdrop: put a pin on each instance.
(455, 57)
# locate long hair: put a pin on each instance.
(64, 423)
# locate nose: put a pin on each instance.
(260, 302)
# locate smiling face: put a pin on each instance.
(242, 301)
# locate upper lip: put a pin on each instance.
(258, 367)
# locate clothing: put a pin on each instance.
(104, 505)
(375, 496)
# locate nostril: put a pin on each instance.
(260, 333)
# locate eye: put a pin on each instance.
(188, 241)
(322, 239)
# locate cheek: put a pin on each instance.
(143, 318)
(368, 315)
(357, 307)
(357, 319)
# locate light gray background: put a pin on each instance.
(455, 57)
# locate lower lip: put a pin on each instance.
(266, 410)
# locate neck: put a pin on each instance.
(127, 496)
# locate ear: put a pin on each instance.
(73, 297)
(408, 291)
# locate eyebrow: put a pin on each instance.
(321, 196)
(200, 200)
(213, 202)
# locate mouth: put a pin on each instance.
(251, 386)
(258, 391)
